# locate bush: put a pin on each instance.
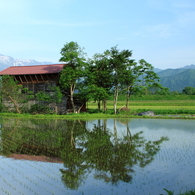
(39, 109)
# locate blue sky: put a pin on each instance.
(159, 31)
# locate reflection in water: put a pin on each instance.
(81, 149)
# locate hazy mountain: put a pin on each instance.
(192, 66)
(178, 79)
(157, 70)
(7, 61)
(169, 72)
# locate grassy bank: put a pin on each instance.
(162, 109)
(158, 106)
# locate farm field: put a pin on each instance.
(166, 105)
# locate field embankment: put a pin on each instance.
(158, 106)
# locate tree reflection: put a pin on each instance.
(72, 157)
(81, 149)
(113, 158)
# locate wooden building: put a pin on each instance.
(39, 78)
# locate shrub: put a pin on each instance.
(39, 109)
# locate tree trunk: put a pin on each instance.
(79, 110)
(72, 98)
(56, 109)
(104, 105)
(128, 96)
(115, 98)
(72, 140)
(99, 105)
(15, 104)
(129, 137)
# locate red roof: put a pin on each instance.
(37, 69)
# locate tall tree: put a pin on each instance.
(73, 55)
(139, 78)
(99, 78)
(119, 61)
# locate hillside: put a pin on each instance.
(170, 72)
(177, 79)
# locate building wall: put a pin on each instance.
(36, 83)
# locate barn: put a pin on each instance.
(40, 78)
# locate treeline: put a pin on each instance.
(107, 74)
(111, 74)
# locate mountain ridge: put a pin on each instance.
(178, 79)
(7, 61)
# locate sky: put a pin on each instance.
(158, 31)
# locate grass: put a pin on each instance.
(184, 108)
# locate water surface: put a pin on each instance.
(114, 156)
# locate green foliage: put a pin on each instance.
(189, 91)
(98, 78)
(120, 62)
(169, 192)
(14, 93)
(70, 76)
(192, 192)
(39, 109)
(53, 96)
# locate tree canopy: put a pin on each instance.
(73, 55)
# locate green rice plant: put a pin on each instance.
(169, 192)
(192, 192)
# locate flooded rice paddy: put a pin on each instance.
(113, 156)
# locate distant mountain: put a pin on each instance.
(7, 61)
(192, 66)
(178, 79)
(157, 70)
(169, 72)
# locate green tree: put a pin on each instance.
(99, 79)
(140, 79)
(14, 93)
(189, 91)
(119, 62)
(53, 96)
(73, 71)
